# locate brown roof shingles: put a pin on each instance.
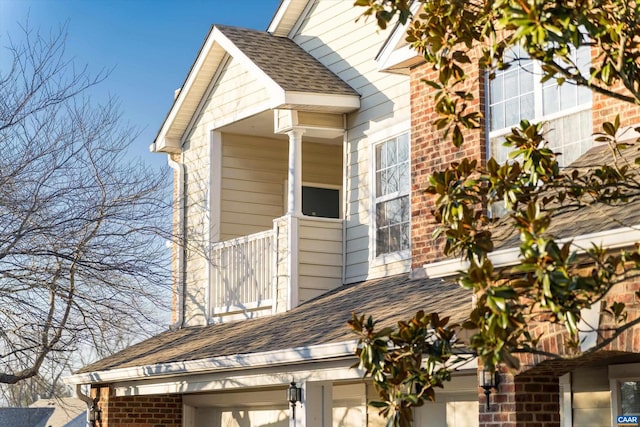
(286, 63)
(320, 321)
(588, 218)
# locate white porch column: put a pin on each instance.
(294, 207)
(317, 406)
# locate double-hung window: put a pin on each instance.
(392, 196)
(517, 93)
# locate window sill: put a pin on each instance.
(391, 258)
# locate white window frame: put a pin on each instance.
(617, 375)
(538, 106)
(381, 138)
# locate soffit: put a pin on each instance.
(287, 16)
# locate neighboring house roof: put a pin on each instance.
(79, 421)
(317, 322)
(25, 417)
(294, 79)
(65, 409)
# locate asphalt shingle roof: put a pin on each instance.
(290, 66)
(24, 417)
(588, 218)
(322, 320)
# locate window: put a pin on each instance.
(392, 201)
(625, 389)
(320, 201)
(517, 93)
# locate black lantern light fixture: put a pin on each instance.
(95, 414)
(490, 379)
(294, 395)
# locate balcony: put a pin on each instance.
(275, 270)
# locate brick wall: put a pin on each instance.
(139, 411)
(605, 108)
(430, 153)
(522, 401)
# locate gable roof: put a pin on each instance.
(294, 79)
(286, 63)
(316, 323)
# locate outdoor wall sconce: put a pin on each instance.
(294, 395)
(490, 379)
(95, 414)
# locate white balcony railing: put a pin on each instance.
(249, 271)
(242, 275)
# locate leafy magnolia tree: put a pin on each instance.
(82, 226)
(552, 282)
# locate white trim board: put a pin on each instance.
(217, 364)
(611, 239)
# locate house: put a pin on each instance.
(299, 155)
(67, 411)
(60, 412)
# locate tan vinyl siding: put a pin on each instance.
(321, 163)
(591, 397)
(384, 103)
(234, 95)
(197, 177)
(254, 171)
(320, 257)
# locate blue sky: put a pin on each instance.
(149, 45)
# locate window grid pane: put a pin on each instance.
(630, 397)
(393, 184)
(513, 96)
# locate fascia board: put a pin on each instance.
(216, 364)
(215, 37)
(268, 377)
(338, 103)
(184, 92)
(288, 17)
(390, 55)
(262, 377)
(610, 239)
(279, 15)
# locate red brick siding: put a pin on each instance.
(522, 401)
(140, 411)
(605, 108)
(430, 153)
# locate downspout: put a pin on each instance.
(87, 400)
(345, 195)
(180, 289)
